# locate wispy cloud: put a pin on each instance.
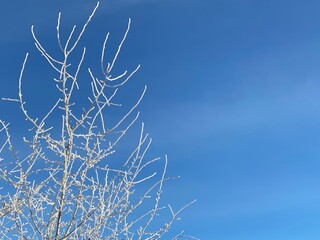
(199, 119)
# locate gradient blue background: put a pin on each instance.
(233, 99)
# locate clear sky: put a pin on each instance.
(233, 99)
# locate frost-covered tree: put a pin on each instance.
(62, 185)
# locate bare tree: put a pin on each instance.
(63, 186)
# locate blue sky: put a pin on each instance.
(233, 99)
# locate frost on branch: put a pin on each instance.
(63, 188)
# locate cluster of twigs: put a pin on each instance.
(64, 188)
